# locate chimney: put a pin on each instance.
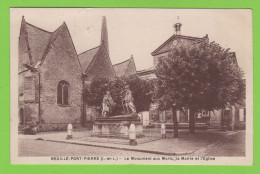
(177, 27)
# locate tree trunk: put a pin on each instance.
(175, 124)
(192, 121)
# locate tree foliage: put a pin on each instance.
(200, 77)
(141, 91)
(94, 91)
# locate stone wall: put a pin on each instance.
(61, 63)
(27, 97)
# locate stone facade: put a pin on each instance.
(58, 62)
(61, 64)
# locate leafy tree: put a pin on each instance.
(94, 92)
(117, 89)
(204, 76)
(142, 91)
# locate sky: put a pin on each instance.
(139, 32)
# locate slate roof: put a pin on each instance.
(96, 61)
(86, 57)
(100, 65)
(120, 68)
(126, 67)
(38, 41)
(165, 47)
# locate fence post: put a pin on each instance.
(163, 132)
(132, 135)
(69, 131)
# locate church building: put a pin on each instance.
(50, 78)
(96, 61)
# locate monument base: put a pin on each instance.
(117, 126)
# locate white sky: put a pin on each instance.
(141, 31)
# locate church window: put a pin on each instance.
(63, 93)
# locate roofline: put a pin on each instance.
(38, 28)
(122, 62)
(144, 72)
(160, 53)
(191, 37)
(74, 47)
(95, 57)
(129, 61)
(23, 24)
(163, 44)
(178, 36)
(51, 40)
(129, 64)
(89, 50)
(109, 59)
(90, 62)
(134, 63)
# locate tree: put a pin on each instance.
(117, 89)
(93, 93)
(204, 76)
(141, 91)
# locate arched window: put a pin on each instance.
(63, 93)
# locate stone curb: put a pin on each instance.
(121, 148)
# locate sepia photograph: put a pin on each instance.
(131, 86)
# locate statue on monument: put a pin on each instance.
(107, 104)
(128, 100)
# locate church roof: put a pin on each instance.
(100, 65)
(126, 67)
(96, 62)
(39, 41)
(166, 46)
(86, 57)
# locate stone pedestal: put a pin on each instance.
(117, 126)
